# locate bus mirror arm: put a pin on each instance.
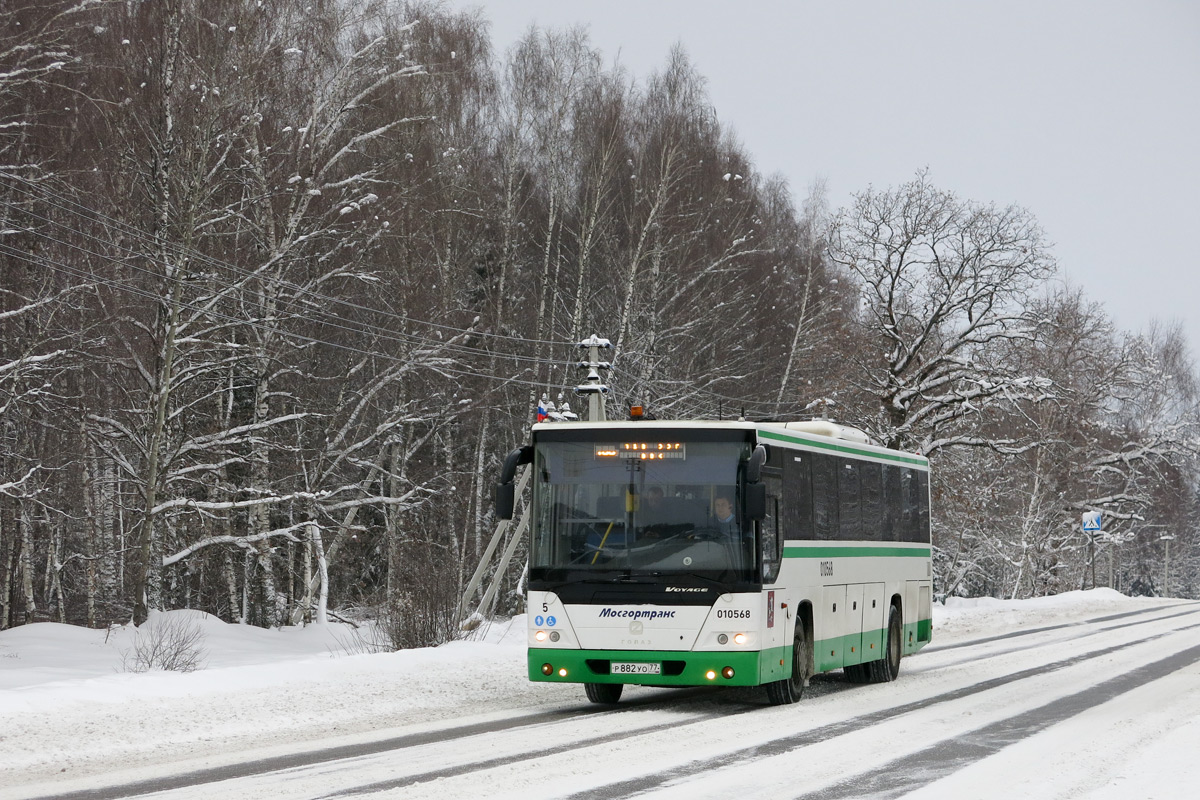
(506, 499)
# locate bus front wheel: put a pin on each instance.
(606, 694)
(789, 690)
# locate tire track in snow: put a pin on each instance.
(936, 648)
(645, 783)
(1020, 648)
(280, 764)
(676, 699)
(943, 758)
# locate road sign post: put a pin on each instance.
(1093, 524)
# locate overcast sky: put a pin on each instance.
(1086, 112)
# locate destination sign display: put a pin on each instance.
(646, 451)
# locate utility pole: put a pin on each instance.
(1112, 557)
(593, 388)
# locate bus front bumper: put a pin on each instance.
(675, 668)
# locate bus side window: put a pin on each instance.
(871, 477)
(849, 488)
(923, 507)
(909, 506)
(797, 496)
(825, 496)
(769, 535)
(890, 527)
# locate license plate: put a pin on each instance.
(635, 668)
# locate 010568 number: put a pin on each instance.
(733, 613)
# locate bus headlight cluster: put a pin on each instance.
(738, 638)
(542, 636)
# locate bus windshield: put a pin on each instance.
(659, 505)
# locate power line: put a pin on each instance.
(327, 318)
(66, 269)
(301, 294)
(70, 206)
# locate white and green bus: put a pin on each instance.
(637, 573)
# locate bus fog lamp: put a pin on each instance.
(739, 638)
(727, 672)
(562, 672)
(711, 674)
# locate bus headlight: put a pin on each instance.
(554, 636)
(739, 638)
(723, 639)
(540, 636)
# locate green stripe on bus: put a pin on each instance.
(840, 651)
(856, 552)
(841, 448)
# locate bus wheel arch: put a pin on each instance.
(790, 689)
(804, 628)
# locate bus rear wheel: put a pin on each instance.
(789, 690)
(606, 694)
(888, 667)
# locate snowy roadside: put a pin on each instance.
(65, 710)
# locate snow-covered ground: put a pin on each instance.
(70, 718)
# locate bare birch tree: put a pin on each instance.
(945, 282)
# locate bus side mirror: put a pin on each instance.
(506, 499)
(506, 494)
(755, 464)
(756, 501)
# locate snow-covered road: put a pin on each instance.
(1089, 695)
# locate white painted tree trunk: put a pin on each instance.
(323, 573)
(26, 524)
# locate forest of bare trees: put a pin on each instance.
(281, 283)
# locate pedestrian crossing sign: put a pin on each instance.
(1092, 522)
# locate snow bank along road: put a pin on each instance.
(1106, 706)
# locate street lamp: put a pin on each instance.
(1166, 540)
